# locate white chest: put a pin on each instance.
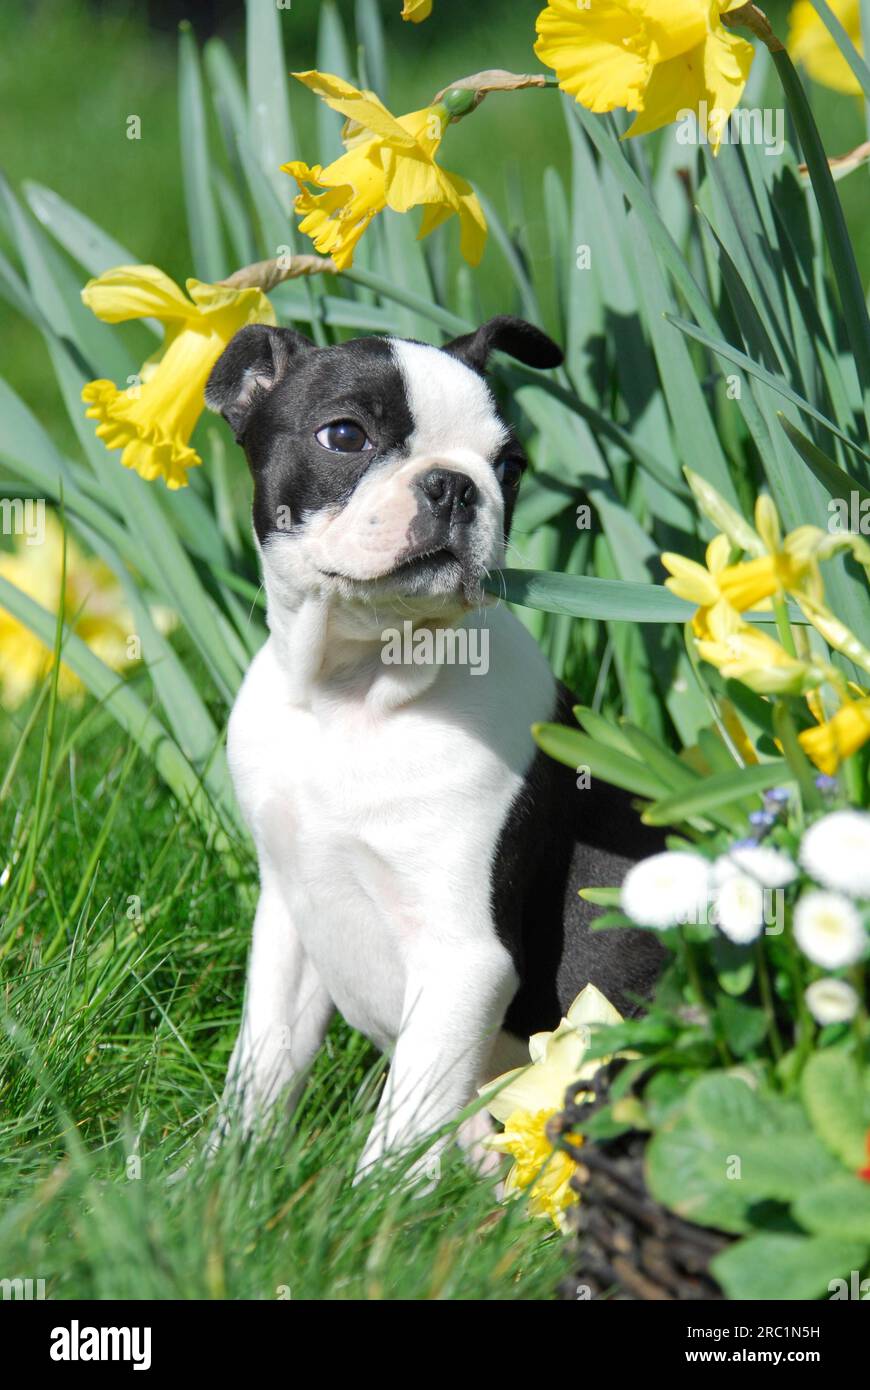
(380, 830)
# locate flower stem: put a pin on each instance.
(805, 1018)
(859, 1023)
(767, 1001)
(783, 626)
(804, 772)
(698, 989)
(752, 18)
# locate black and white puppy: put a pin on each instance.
(419, 859)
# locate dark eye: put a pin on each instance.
(343, 437)
(509, 471)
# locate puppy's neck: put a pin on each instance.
(331, 650)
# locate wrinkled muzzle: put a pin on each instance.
(416, 527)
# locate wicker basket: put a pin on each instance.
(627, 1245)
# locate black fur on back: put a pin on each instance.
(557, 839)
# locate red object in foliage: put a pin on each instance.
(865, 1172)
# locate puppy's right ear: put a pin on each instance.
(251, 364)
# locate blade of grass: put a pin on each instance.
(740, 359)
(203, 223)
(852, 300)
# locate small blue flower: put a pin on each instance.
(826, 784)
(763, 819)
(748, 843)
(778, 795)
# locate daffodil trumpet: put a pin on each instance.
(58, 575)
(658, 59)
(812, 45)
(152, 420)
(527, 1100)
(779, 567)
(389, 162)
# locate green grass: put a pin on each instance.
(112, 1055)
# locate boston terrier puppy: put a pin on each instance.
(419, 858)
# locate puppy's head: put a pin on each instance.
(382, 468)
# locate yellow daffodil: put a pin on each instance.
(694, 583)
(417, 10)
(777, 566)
(835, 633)
(838, 737)
(389, 162)
(93, 607)
(740, 652)
(656, 57)
(811, 43)
(153, 419)
(523, 1100)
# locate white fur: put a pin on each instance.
(376, 796)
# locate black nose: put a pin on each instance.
(449, 495)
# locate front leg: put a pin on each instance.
(455, 1000)
(286, 1014)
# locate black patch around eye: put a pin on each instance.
(343, 437)
(359, 384)
(509, 471)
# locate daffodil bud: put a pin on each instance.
(458, 101)
(723, 515)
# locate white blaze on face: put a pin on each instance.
(456, 425)
(455, 416)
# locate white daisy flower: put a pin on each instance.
(831, 1001)
(768, 866)
(667, 889)
(829, 930)
(738, 909)
(836, 852)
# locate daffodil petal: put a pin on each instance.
(600, 54)
(591, 1007)
(216, 299)
(434, 216)
(747, 584)
(410, 181)
(839, 737)
(362, 107)
(472, 221)
(417, 10)
(727, 60)
(835, 632)
(504, 1095)
(135, 292)
(717, 554)
(674, 87)
(811, 43)
(690, 580)
(93, 606)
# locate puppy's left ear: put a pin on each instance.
(252, 363)
(506, 334)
